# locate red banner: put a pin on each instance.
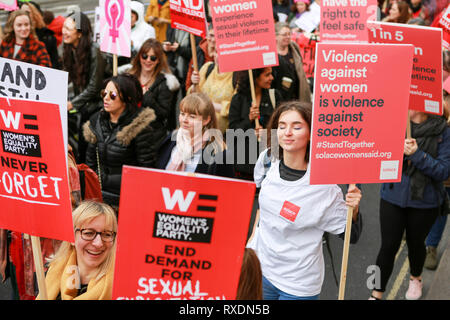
(426, 82)
(183, 237)
(245, 34)
(34, 188)
(359, 122)
(346, 20)
(188, 15)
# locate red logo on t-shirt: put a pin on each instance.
(289, 211)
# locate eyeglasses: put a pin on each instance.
(145, 57)
(113, 95)
(91, 234)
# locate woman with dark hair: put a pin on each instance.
(44, 34)
(293, 213)
(158, 84)
(244, 112)
(20, 42)
(120, 134)
(197, 145)
(85, 64)
(412, 205)
(398, 13)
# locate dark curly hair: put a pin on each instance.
(77, 61)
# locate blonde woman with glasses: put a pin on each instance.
(84, 270)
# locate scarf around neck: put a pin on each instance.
(427, 136)
(185, 151)
(59, 281)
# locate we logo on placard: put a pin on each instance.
(177, 198)
(10, 118)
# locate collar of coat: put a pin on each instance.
(30, 43)
(126, 133)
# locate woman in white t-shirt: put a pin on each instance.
(293, 213)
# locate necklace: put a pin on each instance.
(146, 83)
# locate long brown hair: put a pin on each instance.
(403, 9)
(303, 108)
(250, 280)
(77, 61)
(162, 66)
(9, 26)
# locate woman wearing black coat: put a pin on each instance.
(120, 134)
(159, 85)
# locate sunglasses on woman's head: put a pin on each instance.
(145, 57)
(112, 94)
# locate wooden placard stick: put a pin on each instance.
(252, 87)
(39, 264)
(194, 55)
(408, 128)
(348, 231)
(115, 65)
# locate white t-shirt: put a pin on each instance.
(293, 217)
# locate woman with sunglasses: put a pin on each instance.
(197, 145)
(159, 85)
(85, 64)
(84, 270)
(120, 134)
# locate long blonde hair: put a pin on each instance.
(84, 213)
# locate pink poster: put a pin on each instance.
(346, 20)
(359, 121)
(426, 78)
(115, 22)
(8, 5)
(245, 34)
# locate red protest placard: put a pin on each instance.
(183, 239)
(34, 189)
(443, 21)
(359, 122)
(188, 15)
(346, 20)
(245, 34)
(426, 81)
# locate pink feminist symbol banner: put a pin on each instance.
(8, 5)
(115, 22)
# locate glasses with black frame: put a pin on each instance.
(91, 234)
(146, 56)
